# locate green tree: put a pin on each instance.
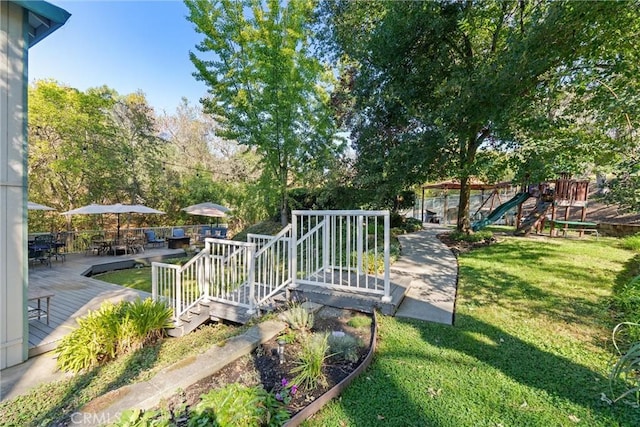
(135, 132)
(92, 147)
(433, 83)
(267, 89)
(62, 123)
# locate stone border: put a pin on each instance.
(319, 403)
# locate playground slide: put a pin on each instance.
(535, 218)
(499, 212)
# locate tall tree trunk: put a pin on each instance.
(464, 222)
(467, 159)
(284, 205)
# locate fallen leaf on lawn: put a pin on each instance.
(433, 392)
(574, 418)
(524, 404)
(380, 417)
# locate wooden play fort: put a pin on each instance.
(570, 194)
(566, 195)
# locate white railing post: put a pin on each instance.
(251, 261)
(387, 285)
(326, 234)
(293, 250)
(207, 261)
(178, 309)
(359, 246)
(154, 281)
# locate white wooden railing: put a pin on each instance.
(346, 250)
(223, 271)
(272, 263)
(229, 273)
(180, 287)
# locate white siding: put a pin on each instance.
(13, 266)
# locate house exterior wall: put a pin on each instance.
(13, 179)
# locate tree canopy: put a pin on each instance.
(430, 84)
(267, 90)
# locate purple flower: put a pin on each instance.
(278, 396)
(284, 382)
(294, 389)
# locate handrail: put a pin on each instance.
(275, 239)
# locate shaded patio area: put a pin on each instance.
(74, 294)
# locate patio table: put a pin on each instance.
(37, 296)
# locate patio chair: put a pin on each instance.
(178, 239)
(219, 232)
(152, 239)
(94, 245)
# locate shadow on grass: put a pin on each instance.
(551, 293)
(530, 366)
(84, 387)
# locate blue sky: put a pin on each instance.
(126, 45)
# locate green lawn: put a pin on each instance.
(136, 278)
(530, 346)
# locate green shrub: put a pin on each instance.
(359, 321)
(406, 225)
(373, 263)
(624, 378)
(631, 243)
(110, 331)
(346, 347)
(238, 405)
(93, 342)
(299, 318)
(308, 367)
(478, 236)
(626, 303)
(269, 228)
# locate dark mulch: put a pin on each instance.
(263, 365)
(460, 246)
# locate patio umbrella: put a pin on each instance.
(209, 209)
(33, 206)
(117, 209)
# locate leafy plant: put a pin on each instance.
(299, 318)
(311, 359)
(285, 391)
(478, 236)
(625, 374)
(288, 337)
(631, 243)
(345, 346)
(238, 405)
(359, 321)
(626, 302)
(110, 331)
(93, 342)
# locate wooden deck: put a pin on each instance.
(75, 294)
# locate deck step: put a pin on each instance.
(189, 322)
(232, 313)
(352, 300)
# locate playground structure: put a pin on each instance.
(565, 194)
(553, 203)
(443, 208)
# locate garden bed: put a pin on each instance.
(263, 368)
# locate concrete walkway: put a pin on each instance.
(428, 263)
(434, 276)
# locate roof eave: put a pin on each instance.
(44, 18)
